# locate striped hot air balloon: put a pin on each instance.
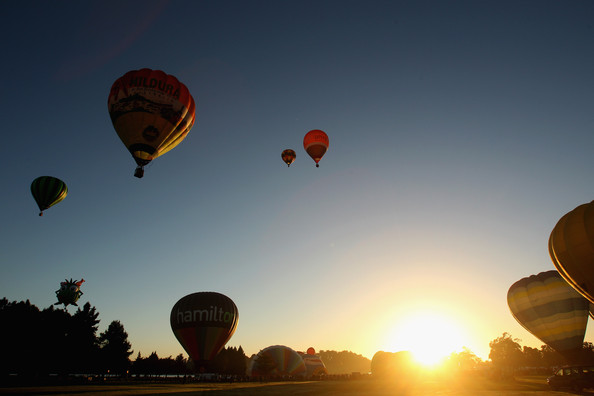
(549, 308)
(48, 191)
(277, 360)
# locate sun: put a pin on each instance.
(429, 336)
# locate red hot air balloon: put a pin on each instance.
(152, 112)
(203, 322)
(316, 143)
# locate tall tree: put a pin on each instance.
(84, 338)
(115, 348)
(506, 353)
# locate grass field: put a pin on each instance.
(532, 386)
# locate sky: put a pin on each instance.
(460, 132)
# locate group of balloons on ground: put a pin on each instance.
(152, 112)
(555, 305)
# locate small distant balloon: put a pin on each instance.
(288, 156)
(316, 144)
(311, 351)
(69, 292)
(48, 191)
(152, 112)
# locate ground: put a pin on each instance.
(466, 386)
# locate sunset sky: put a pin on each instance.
(460, 132)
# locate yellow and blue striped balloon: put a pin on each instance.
(549, 308)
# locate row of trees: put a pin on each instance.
(233, 361)
(230, 360)
(37, 342)
(507, 354)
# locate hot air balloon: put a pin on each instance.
(203, 322)
(571, 247)
(48, 191)
(277, 360)
(69, 292)
(316, 143)
(393, 365)
(152, 112)
(288, 156)
(314, 365)
(551, 310)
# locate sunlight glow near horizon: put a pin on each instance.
(429, 336)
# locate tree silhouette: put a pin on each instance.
(84, 338)
(506, 354)
(264, 363)
(230, 360)
(344, 362)
(115, 348)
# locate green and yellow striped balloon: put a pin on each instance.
(48, 191)
(549, 308)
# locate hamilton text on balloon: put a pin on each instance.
(214, 314)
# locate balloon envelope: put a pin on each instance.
(313, 363)
(549, 308)
(392, 365)
(316, 143)
(288, 156)
(152, 112)
(277, 360)
(48, 191)
(571, 247)
(203, 322)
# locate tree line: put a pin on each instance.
(37, 342)
(508, 356)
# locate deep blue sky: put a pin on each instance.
(460, 132)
